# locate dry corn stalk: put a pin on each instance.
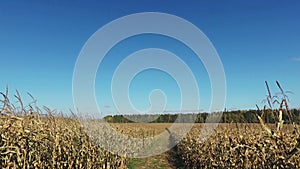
(266, 128)
(280, 121)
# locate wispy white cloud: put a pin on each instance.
(297, 59)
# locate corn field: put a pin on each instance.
(29, 139)
(239, 146)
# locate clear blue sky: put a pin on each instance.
(256, 41)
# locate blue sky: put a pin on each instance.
(256, 41)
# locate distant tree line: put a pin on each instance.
(238, 116)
